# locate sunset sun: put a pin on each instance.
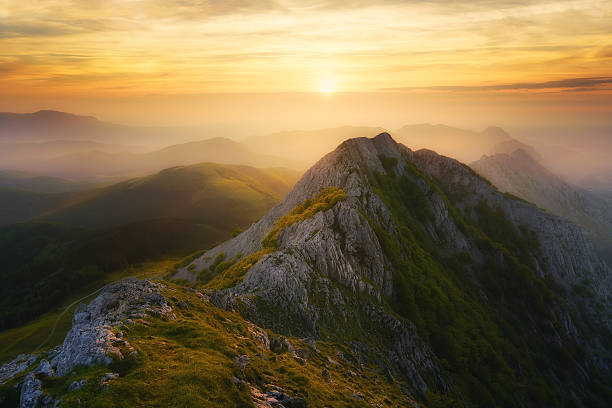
(327, 86)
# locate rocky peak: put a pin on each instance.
(337, 271)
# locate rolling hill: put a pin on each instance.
(168, 214)
(220, 195)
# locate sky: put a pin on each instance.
(173, 62)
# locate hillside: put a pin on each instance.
(18, 205)
(169, 214)
(387, 277)
(519, 173)
(38, 183)
(225, 196)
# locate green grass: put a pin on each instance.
(323, 201)
(229, 197)
(234, 272)
(189, 362)
(226, 274)
(481, 320)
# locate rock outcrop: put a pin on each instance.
(93, 338)
(328, 273)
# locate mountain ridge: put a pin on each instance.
(404, 263)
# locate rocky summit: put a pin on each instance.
(387, 277)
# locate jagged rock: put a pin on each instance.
(280, 344)
(31, 391)
(18, 365)
(275, 398)
(76, 385)
(319, 264)
(44, 368)
(91, 339)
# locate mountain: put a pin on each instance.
(51, 125)
(511, 145)
(230, 196)
(89, 161)
(461, 144)
(519, 173)
(386, 277)
(44, 122)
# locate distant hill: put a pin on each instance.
(50, 125)
(171, 213)
(38, 183)
(306, 146)
(511, 145)
(521, 174)
(463, 145)
(89, 161)
(225, 196)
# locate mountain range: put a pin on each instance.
(521, 173)
(386, 277)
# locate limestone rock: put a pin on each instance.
(18, 365)
(31, 391)
(91, 339)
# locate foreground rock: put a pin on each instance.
(93, 338)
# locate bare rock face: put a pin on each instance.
(92, 340)
(18, 365)
(31, 391)
(568, 255)
(323, 267)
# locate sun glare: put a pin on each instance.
(327, 86)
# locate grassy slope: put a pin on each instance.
(219, 195)
(20, 205)
(483, 321)
(189, 362)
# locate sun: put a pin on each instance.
(327, 86)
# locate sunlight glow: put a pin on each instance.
(327, 86)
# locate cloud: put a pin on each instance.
(567, 84)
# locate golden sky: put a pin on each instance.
(104, 48)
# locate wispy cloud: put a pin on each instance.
(290, 45)
(575, 84)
